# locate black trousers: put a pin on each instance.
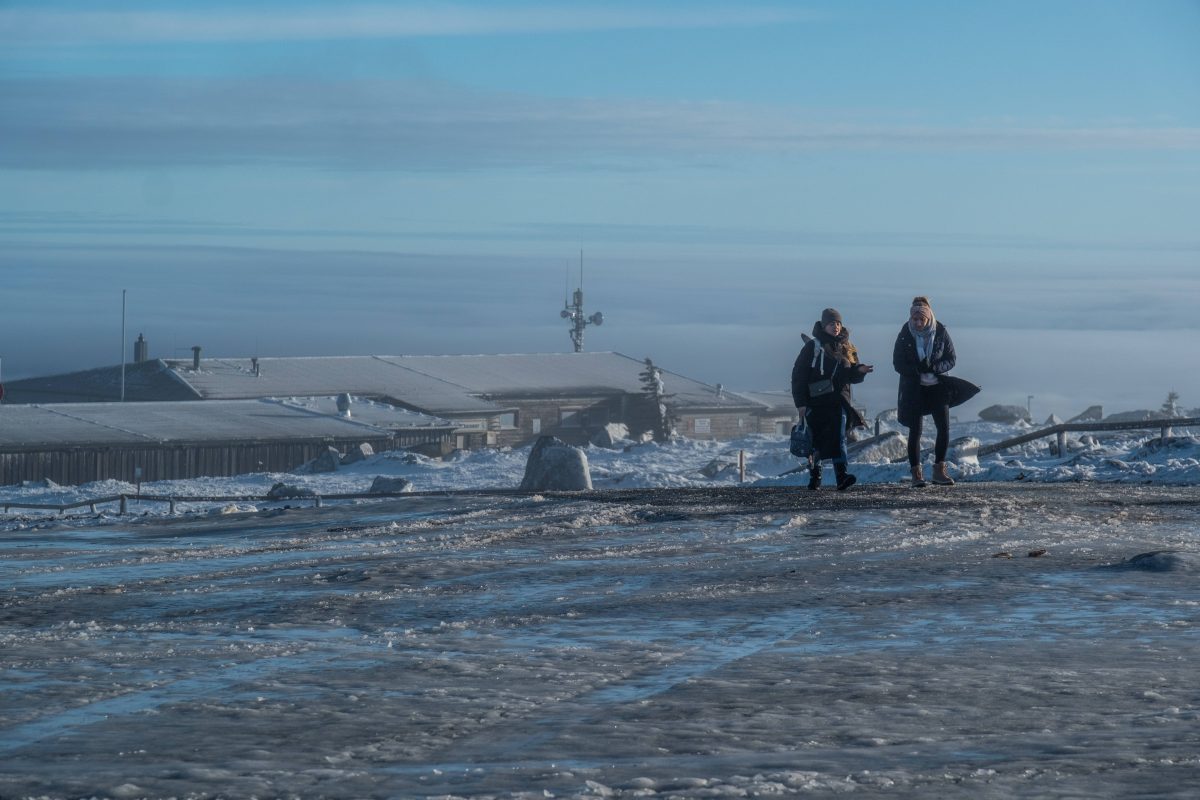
(933, 403)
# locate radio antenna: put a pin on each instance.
(573, 311)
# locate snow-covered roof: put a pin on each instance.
(370, 412)
(146, 380)
(457, 385)
(448, 384)
(84, 424)
(777, 401)
(372, 376)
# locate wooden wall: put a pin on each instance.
(75, 465)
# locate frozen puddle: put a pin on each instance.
(702, 643)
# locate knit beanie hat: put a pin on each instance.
(921, 303)
(830, 315)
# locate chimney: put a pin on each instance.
(196, 358)
(141, 350)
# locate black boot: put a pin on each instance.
(814, 475)
(844, 479)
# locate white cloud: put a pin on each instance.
(59, 123)
(367, 21)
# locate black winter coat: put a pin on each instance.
(827, 368)
(909, 406)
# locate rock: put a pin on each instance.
(890, 415)
(1006, 414)
(715, 467)
(389, 485)
(609, 435)
(359, 453)
(1093, 414)
(1140, 415)
(964, 449)
(1164, 561)
(1052, 420)
(554, 465)
(885, 447)
(328, 461)
(285, 491)
(1156, 445)
(232, 508)
(429, 449)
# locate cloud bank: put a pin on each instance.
(367, 21)
(406, 125)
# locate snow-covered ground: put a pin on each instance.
(990, 641)
(1119, 457)
(1029, 633)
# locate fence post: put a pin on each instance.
(1062, 444)
(741, 466)
(317, 501)
(124, 504)
(172, 501)
(1166, 433)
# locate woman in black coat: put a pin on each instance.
(821, 379)
(923, 354)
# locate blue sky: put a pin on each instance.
(297, 178)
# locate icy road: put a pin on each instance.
(994, 640)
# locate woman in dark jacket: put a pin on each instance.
(923, 354)
(821, 379)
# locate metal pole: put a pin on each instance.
(123, 345)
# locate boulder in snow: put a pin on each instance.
(286, 491)
(715, 467)
(359, 453)
(1005, 414)
(608, 436)
(1164, 561)
(886, 447)
(964, 449)
(554, 465)
(384, 484)
(1140, 415)
(1093, 414)
(1052, 420)
(328, 461)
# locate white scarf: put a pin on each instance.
(924, 341)
(924, 338)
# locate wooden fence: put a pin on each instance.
(1061, 430)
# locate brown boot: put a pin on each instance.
(918, 476)
(940, 476)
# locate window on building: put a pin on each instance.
(508, 420)
(536, 422)
(571, 417)
(703, 425)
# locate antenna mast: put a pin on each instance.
(573, 311)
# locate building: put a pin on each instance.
(491, 399)
(71, 443)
